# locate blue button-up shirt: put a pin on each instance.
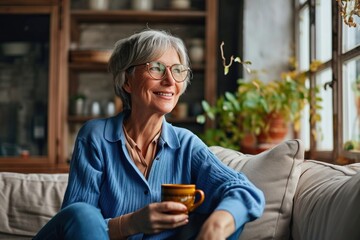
(103, 174)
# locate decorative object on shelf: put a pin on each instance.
(78, 104)
(95, 108)
(196, 50)
(251, 108)
(180, 4)
(99, 4)
(143, 5)
(15, 48)
(349, 9)
(110, 108)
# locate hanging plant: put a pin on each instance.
(349, 9)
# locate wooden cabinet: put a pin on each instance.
(92, 36)
(30, 40)
(65, 48)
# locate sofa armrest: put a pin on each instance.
(327, 202)
(28, 201)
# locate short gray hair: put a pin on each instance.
(140, 48)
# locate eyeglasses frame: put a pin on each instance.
(189, 71)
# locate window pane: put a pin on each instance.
(323, 30)
(324, 136)
(351, 103)
(24, 66)
(351, 37)
(304, 134)
(304, 40)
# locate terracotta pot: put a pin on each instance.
(357, 102)
(278, 129)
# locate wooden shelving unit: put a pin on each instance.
(205, 74)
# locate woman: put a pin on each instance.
(119, 163)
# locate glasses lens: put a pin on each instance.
(157, 70)
(179, 72)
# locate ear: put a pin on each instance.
(127, 86)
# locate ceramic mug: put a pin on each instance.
(183, 193)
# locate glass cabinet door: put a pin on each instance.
(27, 66)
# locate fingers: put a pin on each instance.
(171, 207)
(157, 217)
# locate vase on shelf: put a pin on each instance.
(142, 5)
(99, 4)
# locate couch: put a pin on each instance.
(305, 199)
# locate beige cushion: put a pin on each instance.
(327, 202)
(276, 172)
(28, 201)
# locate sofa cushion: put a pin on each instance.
(28, 201)
(327, 202)
(276, 172)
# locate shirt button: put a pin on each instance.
(146, 192)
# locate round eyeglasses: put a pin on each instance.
(157, 71)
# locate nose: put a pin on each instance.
(169, 79)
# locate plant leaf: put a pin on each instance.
(226, 70)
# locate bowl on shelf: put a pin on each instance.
(15, 48)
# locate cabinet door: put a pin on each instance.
(28, 50)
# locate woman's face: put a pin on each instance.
(154, 96)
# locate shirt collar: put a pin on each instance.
(114, 131)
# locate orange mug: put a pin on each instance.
(183, 193)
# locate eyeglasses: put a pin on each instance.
(157, 71)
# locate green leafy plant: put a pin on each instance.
(247, 110)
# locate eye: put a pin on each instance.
(156, 67)
(178, 69)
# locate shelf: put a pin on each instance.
(131, 16)
(88, 66)
(90, 56)
(82, 119)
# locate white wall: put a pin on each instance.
(268, 31)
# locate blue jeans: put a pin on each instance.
(76, 221)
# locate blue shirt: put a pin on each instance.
(103, 174)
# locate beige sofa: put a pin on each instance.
(305, 200)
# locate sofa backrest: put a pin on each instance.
(28, 201)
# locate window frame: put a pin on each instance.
(335, 63)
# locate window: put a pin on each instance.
(322, 35)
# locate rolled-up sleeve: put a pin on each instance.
(226, 189)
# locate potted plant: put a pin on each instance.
(258, 111)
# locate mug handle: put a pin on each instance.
(200, 200)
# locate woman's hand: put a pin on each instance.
(218, 226)
(160, 216)
(154, 218)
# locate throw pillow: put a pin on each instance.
(276, 172)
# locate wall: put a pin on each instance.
(268, 36)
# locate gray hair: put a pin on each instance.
(140, 48)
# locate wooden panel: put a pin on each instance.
(28, 2)
(130, 16)
(48, 162)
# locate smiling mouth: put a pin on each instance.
(164, 94)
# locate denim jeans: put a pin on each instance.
(76, 221)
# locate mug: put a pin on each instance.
(183, 193)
